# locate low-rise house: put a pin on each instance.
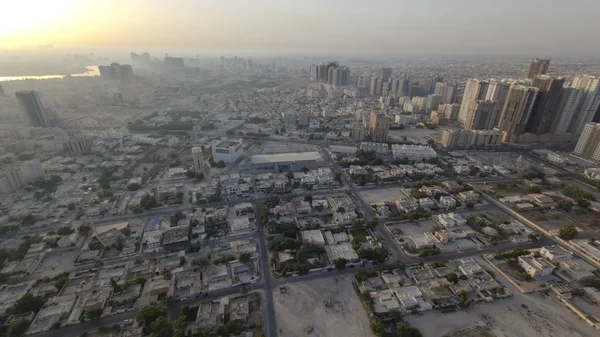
(426, 203)
(447, 202)
(451, 186)
(469, 197)
(540, 200)
(536, 266)
(154, 291)
(407, 205)
(312, 237)
(555, 253)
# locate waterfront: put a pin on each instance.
(91, 71)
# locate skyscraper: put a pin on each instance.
(379, 125)
(199, 165)
(497, 91)
(538, 67)
(115, 71)
(475, 90)
(385, 74)
(588, 145)
(568, 106)
(589, 103)
(2, 93)
(373, 89)
(481, 115)
(446, 91)
(517, 109)
(313, 72)
(31, 105)
(547, 104)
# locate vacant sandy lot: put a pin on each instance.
(381, 195)
(530, 315)
(302, 306)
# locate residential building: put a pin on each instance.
(379, 148)
(538, 67)
(449, 111)
(227, 150)
(116, 72)
(568, 107)
(517, 110)
(536, 266)
(78, 145)
(481, 115)
(286, 161)
(587, 109)
(358, 132)
(547, 107)
(413, 152)
(475, 90)
(469, 196)
(31, 106)
(588, 145)
(379, 125)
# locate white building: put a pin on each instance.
(536, 266)
(227, 150)
(286, 161)
(413, 152)
(379, 148)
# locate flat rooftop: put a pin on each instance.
(285, 157)
(227, 143)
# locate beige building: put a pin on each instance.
(379, 125)
(475, 90)
(588, 145)
(79, 145)
(538, 67)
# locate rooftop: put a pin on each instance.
(285, 157)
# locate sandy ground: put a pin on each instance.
(303, 306)
(530, 315)
(381, 195)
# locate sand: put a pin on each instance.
(303, 306)
(529, 315)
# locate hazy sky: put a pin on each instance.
(532, 27)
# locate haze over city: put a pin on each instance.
(511, 27)
(308, 168)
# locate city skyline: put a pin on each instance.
(308, 26)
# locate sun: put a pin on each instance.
(30, 17)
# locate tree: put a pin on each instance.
(282, 243)
(84, 230)
(568, 232)
(133, 187)
(27, 303)
(221, 164)
(182, 261)
(93, 313)
(166, 274)
(340, 263)
(452, 277)
(148, 201)
(29, 220)
(17, 329)
(303, 269)
(199, 175)
(565, 205)
(62, 231)
(176, 217)
(405, 330)
(149, 314)
(244, 257)
(308, 198)
(161, 327)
